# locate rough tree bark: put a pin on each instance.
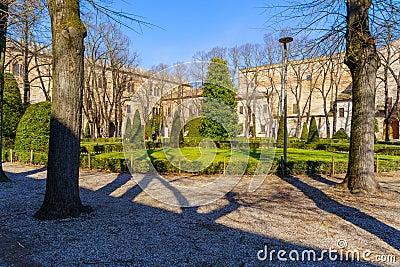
(3, 29)
(62, 198)
(363, 62)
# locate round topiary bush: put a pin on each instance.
(33, 130)
(341, 134)
(192, 127)
(12, 109)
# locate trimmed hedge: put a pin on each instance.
(12, 110)
(117, 164)
(99, 148)
(102, 140)
(33, 129)
(39, 158)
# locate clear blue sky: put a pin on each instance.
(193, 25)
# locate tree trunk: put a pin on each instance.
(3, 29)
(363, 61)
(25, 48)
(62, 198)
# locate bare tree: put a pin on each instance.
(389, 55)
(362, 59)
(62, 186)
(28, 30)
(108, 77)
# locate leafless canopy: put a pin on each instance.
(324, 21)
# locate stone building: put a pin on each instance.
(321, 87)
(105, 94)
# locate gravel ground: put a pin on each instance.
(129, 228)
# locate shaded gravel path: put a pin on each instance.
(129, 228)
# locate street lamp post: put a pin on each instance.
(284, 41)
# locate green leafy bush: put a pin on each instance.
(341, 134)
(192, 127)
(86, 132)
(33, 129)
(12, 110)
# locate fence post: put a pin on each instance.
(179, 166)
(11, 155)
(377, 163)
(333, 166)
(31, 156)
(89, 165)
(224, 165)
(132, 161)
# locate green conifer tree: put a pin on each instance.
(220, 102)
(280, 138)
(304, 132)
(313, 136)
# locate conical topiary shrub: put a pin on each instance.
(304, 132)
(280, 137)
(313, 136)
(136, 132)
(33, 129)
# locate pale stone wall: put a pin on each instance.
(310, 82)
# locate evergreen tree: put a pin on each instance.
(219, 102)
(86, 132)
(304, 132)
(176, 131)
(135, 132)
(280, 138)
(313, 136)
(128, 129)
(376, 130)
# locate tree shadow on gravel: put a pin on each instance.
(196, 239)
(353, 215)
(27, 173)
(321, 179)
(127, 233)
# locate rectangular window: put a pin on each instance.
(240, 109)
(17, 69)
(295, 107)
(341, 112)
(262, 128)
(128, 109)
(130, 87)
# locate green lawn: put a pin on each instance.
(207, 154)
(299, 160)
